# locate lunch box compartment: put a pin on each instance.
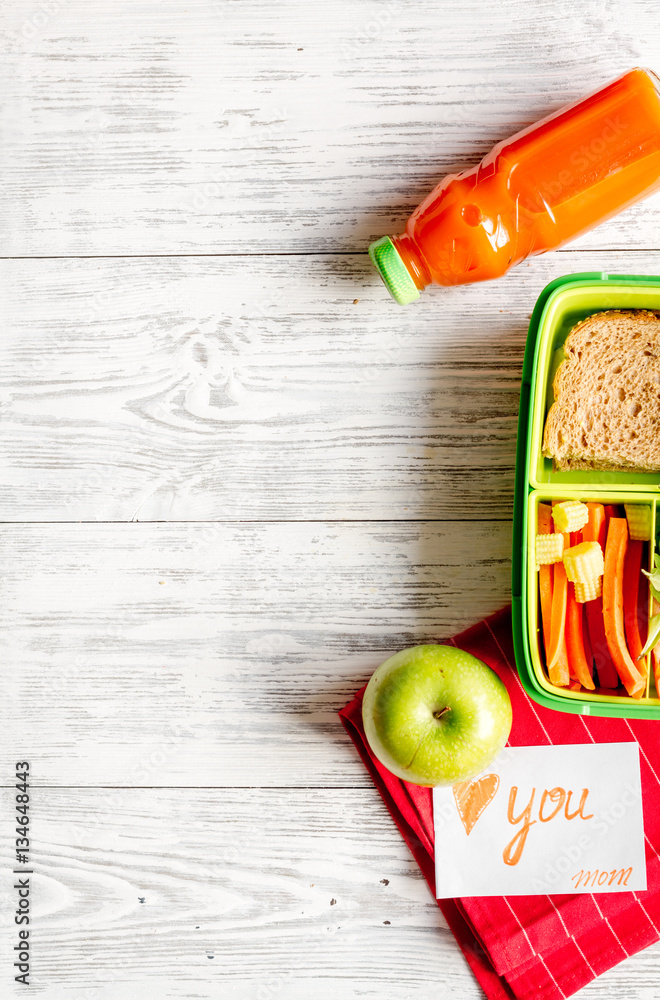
(560, 306)
(571, 305)
(533, 619)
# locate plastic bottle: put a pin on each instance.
(532, 192)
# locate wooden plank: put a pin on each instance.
(240, 893)
(206, 654)
(255, 388)
(264, 893)
(148, 126)
(250, 388)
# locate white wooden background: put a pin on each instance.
(236, 476)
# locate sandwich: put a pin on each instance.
(606, 410)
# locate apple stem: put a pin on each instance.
(443, 711)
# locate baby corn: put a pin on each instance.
(639, 521)
(570, 515)
(584, 565)
(588, 591)
(549, 549)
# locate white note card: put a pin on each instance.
(543, 820)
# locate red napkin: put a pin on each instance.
(534, 947)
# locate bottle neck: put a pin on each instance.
(411, 257)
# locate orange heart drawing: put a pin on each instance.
(472, 797)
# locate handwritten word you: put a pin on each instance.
(551, 803)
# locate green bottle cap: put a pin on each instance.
(393, 271)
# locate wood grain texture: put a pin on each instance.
(236, 893)
(202, 827)
(255, 388)
(153, 126)
(209, 654)
(243, 893)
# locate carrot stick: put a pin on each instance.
(631, 577)
(586, 639)
(596, 528)
(655, 655)
(615, 554)
(558, 670)
(596, 531)
(546, 524)
(560, 674)
(572, 676)
(555, 651)
(643, 609)
(577, 660)
(607, 675)
(545, 527)
(545, 592)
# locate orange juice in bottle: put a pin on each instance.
(532, 192)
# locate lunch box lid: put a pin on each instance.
(526, 482)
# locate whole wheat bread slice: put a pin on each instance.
(606, 413)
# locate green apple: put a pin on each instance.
(435, 715)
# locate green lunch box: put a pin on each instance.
(562, 304)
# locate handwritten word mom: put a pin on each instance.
(550, 805)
